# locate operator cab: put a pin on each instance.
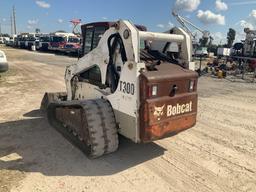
(92, 32)
(151, 53)
(91, 35)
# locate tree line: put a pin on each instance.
(208, 42)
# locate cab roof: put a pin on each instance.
(107, 24)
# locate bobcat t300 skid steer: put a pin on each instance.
(128, 81)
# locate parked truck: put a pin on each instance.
(58, 41)
(43, 42)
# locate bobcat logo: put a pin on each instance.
(159, 111)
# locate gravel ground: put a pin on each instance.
(218, 154)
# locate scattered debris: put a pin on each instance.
(11, 157)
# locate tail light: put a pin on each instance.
(152, 91)
(191, 85)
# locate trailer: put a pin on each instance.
(223, 51)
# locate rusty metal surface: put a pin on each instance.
(183, 104)
(168, 128)
(167, 113)
(51, 97)
(166, 71)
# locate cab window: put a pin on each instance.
(88, 40)
(93, 75)
(98, 32)
(92, 38)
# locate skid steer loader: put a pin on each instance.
(128, 81)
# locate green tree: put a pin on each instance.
(203, 41)
(37, 30)
(4, 35)
(213, 48)
(61, 31)
(210, 41)
(231, 35)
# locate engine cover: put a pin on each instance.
(173, 107)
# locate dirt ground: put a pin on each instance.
(218, 154)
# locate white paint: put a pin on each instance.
(178, 109)
(161, 37)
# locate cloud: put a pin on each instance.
(104, 18)
(60, 21)
(219, 38)
(249, 22)
(4, 19)
(208, 17)
(220, 5)
(253, 15)
(217, 35)
(240, 35)
(160, 25)
(33, 22)
(187, 5)
(29, 27)
(170, 24)
(167, 26)
(245, 24)
(43, 4)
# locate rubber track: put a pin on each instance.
(101, 124)
(110, 122)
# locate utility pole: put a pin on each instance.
(11, 26)
(14, 20)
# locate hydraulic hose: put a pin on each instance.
(111, 70)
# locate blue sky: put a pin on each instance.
(52, 15)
